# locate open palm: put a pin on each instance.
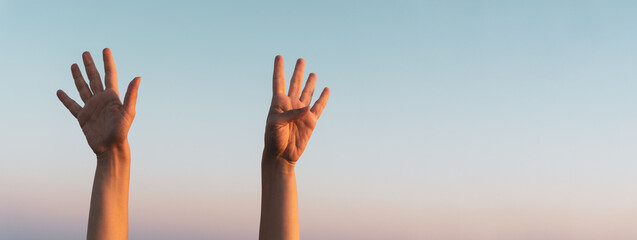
(291, 120)
(104, 119)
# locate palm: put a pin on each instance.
(104, 120)
(289, 139)
(290, 121)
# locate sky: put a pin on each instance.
(447, 120)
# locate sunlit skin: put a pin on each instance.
(289, 127)
(105, 121)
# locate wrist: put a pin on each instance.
(276, 165)
(114, 155)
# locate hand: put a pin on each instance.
(291, 121)
(104, 120)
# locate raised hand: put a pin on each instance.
(291, 120)
(288, 129)
(104, 119)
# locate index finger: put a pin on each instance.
(317, 109)
(93, 76)
(278, 78)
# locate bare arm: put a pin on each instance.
(108, 215)
(288, 129)
(105, 121)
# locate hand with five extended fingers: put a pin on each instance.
(104, 120)
(291, 121)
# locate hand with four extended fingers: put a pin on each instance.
(291, 120)
(104, 119)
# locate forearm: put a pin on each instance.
(108, 216)
(279, 206)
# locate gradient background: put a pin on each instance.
(447, 119)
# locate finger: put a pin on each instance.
(291, 115)
(317, 109)
(278, 80)
(93, 75)
(110, 73)
(308, 91)
(130, 100)
(80, 84)
(71, 105)
(297, 79)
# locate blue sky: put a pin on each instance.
(446, 120)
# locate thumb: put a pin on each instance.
(291, 115)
